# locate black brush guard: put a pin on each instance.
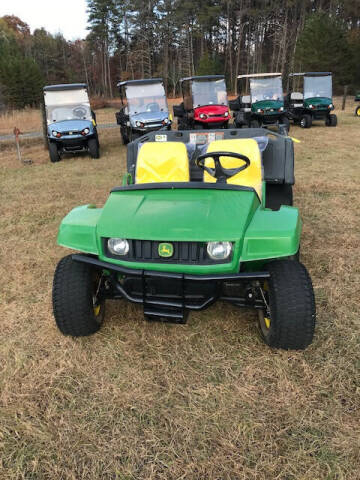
(174, 306)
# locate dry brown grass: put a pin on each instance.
(207, 400)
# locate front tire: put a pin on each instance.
(331, 120)
(54, 152)
(93, 147)
(306, 121)
(76, 308)
(289, 322)
(357, 112)
(254, 124)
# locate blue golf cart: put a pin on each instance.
(70, 122)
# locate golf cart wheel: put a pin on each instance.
(124, 136)
(254, 124)
(289, 320)
(306, 121)
(93, 147)
(54, 152)
(76, 307)
(331, 120)
(285, 121)
(357, 112)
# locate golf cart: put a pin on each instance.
(144, 108)
(69, 121)
(188, 227)
(261, 102)
(357, 109)
(205, 103)
(310, 98)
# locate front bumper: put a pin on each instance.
(168, 296)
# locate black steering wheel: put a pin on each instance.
(219, 172)
(79, 112)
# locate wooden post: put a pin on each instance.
(344, 97)
(17, 133)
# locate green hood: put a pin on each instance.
(267, 106)
(318, 102)
(177, 215)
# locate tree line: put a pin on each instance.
(174, 38)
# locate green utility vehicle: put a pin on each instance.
(310, 98)
(188, 227)
(261, 102)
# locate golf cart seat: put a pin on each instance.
(251, 176)
(162, 162)
(296, 96)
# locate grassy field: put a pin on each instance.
(207, 400)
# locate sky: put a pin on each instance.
(66, 16)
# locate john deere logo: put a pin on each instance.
(165, 250)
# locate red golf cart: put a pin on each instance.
(205, 103)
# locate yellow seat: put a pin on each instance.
(251, 176)
(162, 162)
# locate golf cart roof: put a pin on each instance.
(203, 77)
(310, 74)
(254, 75)
(64, 86)
(142, 81)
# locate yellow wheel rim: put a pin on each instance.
(97, 309)
(267, 322)
(358, 112)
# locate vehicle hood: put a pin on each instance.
(267, 105)
(318, 102)
(70, 125)
(149, 117)
(177, 214)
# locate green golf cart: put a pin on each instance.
(189, 226)
(261, 102)
(310, 98)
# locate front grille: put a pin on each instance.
(187, 253)
(216, 115)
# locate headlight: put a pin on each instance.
(311, 106)
(85, 131)
(281, 109)
(166, 120)
(226, 114)
(219, 250)
(137, 123)
(203, 115)
(331, 105)
(56, 134)
(118, 246)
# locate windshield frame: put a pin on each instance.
(273, 85)
(153, 90)
(201, 93)
(315, 80)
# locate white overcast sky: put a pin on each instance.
(65, 16)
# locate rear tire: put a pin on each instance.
(54, 152)
(74, 310)
(286, 122)
(93, 147)
(124, 136)
(290, 322)
(306, 121)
